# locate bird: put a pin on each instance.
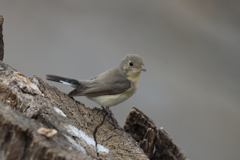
(110, 87)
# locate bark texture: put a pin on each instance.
(156, 143)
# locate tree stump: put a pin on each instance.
(29, 104)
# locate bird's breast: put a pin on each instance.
(112, 100)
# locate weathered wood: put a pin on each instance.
(1, 38)
(19, 140)
(30, 103)
(156, 143)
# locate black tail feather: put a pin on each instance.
(72, 82)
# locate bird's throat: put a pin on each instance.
(134, 77)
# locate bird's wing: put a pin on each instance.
(107, 83)
(113, 87)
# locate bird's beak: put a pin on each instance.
(143, 69)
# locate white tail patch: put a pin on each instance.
(66, 83)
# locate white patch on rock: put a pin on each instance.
(75, 144)
(59, 111)
(78, 133)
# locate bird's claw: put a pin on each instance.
(111, 115)
(115, 124)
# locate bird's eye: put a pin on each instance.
(130, 64)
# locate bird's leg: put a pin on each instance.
(108, 111)
(111, 115)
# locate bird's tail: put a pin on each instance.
(63, 80)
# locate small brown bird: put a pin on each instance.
(108, 88)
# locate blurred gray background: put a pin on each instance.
(191, 50)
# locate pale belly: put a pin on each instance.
(112, 100)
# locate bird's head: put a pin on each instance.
(131, 66)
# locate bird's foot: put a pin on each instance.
(111, 115)
(114, 122)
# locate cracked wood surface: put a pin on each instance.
(156, 143)
(28, 104)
